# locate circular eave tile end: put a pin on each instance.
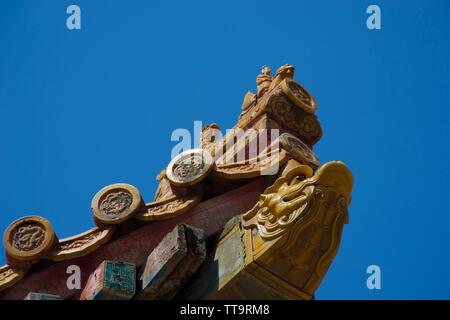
(299, 150)
(116, 203)
(299, 95)
(189, 167)
(28, 238)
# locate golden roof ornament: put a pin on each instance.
(263, 81)
(286, 71)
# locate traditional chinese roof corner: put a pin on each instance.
(277, 214)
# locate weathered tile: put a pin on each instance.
(42, 296)
(173, 262)
(111, 281)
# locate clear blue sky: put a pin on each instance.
(83, 109)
